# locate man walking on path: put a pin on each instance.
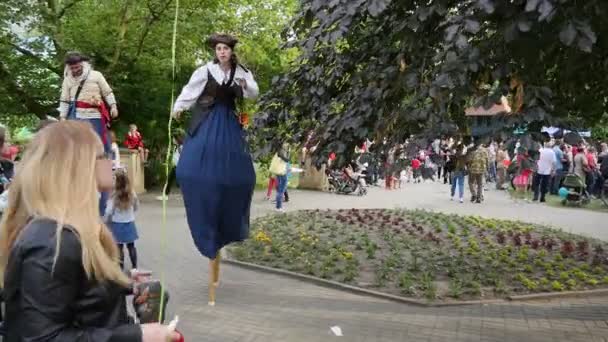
(502, 161)
(477, 169)
(559, 168)
(545, 168)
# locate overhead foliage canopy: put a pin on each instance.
(130, 42)
(388, 68)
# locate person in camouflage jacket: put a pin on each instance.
(478, 165)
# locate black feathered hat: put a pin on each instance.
(222, 38)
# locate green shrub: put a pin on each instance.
(557, 286)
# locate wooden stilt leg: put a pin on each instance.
(216, 265)
(212, 276)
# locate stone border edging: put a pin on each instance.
(565, 294)
(350, 288)
(377, 294)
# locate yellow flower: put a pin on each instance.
(261, 236)
(347, 255)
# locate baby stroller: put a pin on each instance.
(577, 191)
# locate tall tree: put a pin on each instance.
(388, 68)
(130, 42)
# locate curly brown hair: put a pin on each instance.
(123, 192)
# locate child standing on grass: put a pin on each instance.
(120, 217)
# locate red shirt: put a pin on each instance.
(591, 161)
(416, 163)
(10, 152)
(134, 140)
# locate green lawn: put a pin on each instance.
(595, 205)
(556, 201)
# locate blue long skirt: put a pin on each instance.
(217, 179)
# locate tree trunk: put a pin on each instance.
(125, 16)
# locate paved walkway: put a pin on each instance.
(256, 306)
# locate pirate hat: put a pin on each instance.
(74, 57)
(218, 38)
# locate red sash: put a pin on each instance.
(105, 116)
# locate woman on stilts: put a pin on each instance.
(215, 170)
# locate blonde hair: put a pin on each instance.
(57, 180)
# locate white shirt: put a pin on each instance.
(193, 90)
(116, 153)
(176, 154)
(3, 201)
(119, 215)
(546, 162)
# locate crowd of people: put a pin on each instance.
(532, 168)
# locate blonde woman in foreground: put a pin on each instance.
(58, 261)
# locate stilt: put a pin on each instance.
(216, 265)
(212, 277)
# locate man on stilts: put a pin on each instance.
(86, 95)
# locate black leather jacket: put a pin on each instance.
(43, 304)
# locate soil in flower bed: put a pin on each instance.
(428, 255)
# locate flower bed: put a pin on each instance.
(429, 255)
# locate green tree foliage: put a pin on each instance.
(130, 42)
(388, 68)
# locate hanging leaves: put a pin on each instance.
(472, 26)
(392, 72)
(524, 25)
(568, 34)
(546, 10)
(531, 5)
(376, 7)
(487, 6)
(450, 32)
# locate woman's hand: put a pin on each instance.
(155, 332)
(177, 115)
(243, 83)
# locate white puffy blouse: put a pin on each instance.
(193, 90)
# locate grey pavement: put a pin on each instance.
(254, 306)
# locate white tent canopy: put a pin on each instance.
(552, 130)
